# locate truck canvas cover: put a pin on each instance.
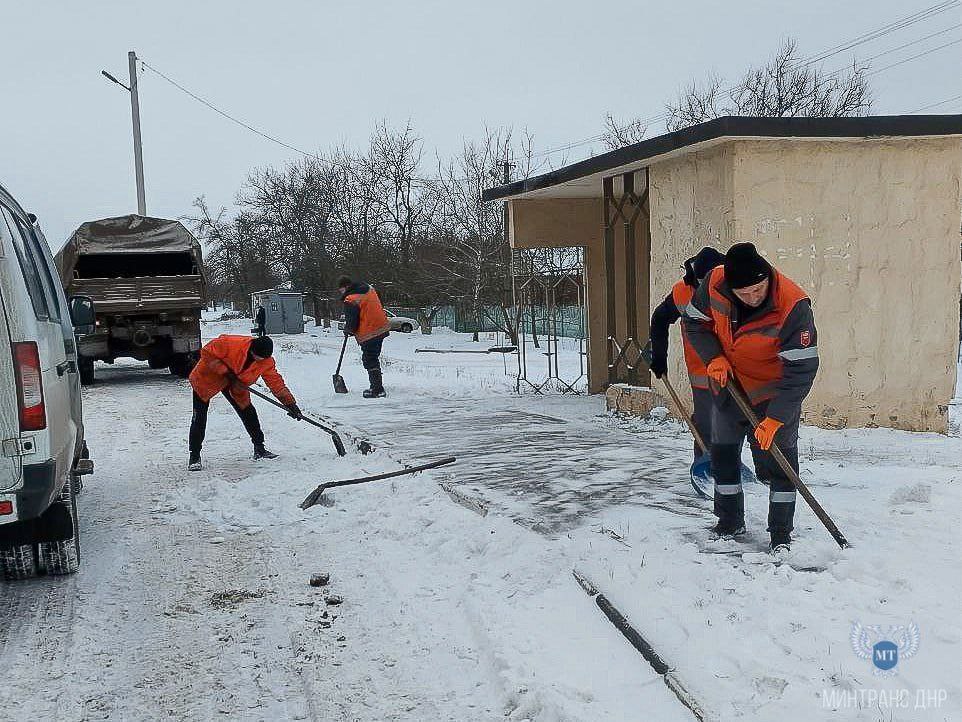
(126, 234)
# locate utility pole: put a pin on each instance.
(135, 117)
(138, 148)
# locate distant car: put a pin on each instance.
(401, 323)
(41, 419)
(404, 324)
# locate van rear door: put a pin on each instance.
(10, 460)
(60, 431)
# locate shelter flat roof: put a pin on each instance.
(582, 179)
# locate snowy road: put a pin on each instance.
(193, 601)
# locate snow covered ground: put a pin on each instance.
(194, 602)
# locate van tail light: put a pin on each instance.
(26, 362)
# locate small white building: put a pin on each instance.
(284, 310)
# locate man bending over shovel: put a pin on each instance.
(669, 311)
(751, 323)
(228, 365)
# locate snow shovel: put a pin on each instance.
(701, 479)
(315, 496)
(493, 349)
(339, 386)
(739, 395)
(335, 437)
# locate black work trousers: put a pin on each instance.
(729, 429)
(371, 353)
(703, 400)
(198, 422)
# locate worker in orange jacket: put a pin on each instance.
(228, 365)
(365, 320)
(669, 311)
(750, 322)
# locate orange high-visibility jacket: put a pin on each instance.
(681, 294)
(229, 353)
(774, 354)
(363, 313)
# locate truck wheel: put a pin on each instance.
(156, 362)
(18, 563)
(182, 364)
(63, 557)
(86, 368)
(178, 365)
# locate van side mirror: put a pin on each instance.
(82, 314)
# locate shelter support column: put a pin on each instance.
(626, 279)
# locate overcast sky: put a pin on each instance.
(316, 73)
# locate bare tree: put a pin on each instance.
(618, 134)
(784, 86)
(236, 263)
(395, 159)
(478, 263)
(291, 209)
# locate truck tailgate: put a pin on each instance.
(124, 295)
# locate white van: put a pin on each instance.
(42, 449)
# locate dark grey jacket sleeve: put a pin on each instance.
(700, 327)
(798, 349)
(352, 318)
(663, 317)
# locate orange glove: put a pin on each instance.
(766, 430)
(719, 370)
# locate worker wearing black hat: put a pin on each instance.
(669, 311)
(752, 323)
(229, 364)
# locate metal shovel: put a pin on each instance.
(339, 386)
(702, 480)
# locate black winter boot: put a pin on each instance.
(729, 530)
(781, 542)
(377, 385)
(193, 464)
(261, 453)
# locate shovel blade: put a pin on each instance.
(701, 479)
(339, 386)
(704, 483)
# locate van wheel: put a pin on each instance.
(18, 563)
(63, 557)
(86, 368)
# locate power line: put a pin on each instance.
(915, 57)
(913, 42)
(894, 26)
(886, 29)
(935, 105)
(227, 115)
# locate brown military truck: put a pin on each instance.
(145, 276)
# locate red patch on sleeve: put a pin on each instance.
(805, 338)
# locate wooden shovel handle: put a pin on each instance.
(800, 486)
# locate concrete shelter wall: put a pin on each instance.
(692, 206)
(871, 229)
